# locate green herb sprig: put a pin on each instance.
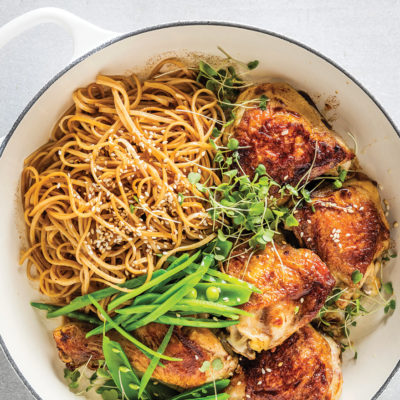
(337, 321)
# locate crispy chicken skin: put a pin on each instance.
(305, 366)
(292, 294)
(284, 137)
(194, 346)
(348, 229)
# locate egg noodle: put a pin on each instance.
(108, 198)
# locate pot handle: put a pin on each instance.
(85, 34)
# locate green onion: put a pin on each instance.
(194, 322)
(105, 327)
(152, 282)
(153, 363)
(186, 285)
(83, 301)
(188, 305)
(73, 314)
(146, 350)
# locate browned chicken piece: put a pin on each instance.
(305, 366)
(288, 137)
(348, 230)
(193, 345)
(295, 284)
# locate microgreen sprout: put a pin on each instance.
(340, 312)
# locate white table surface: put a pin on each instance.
(361, 36)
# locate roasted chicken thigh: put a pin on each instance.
(346, 228)
(192, 345)
(289, 137)
(305, 366)
(295, 284)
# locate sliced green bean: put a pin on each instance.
(189, 305)
(177, 262)
(83, 301)
(214, 275)
(146, 298)
(220, 396)
(179, 308)
(146, 350)
(143, 308)
(211, 307)
(152, 282)
(231, 279)
(105, 327)
(230, 294)
(121, 370)
(73, 314)
(153, 363)
(185, 285)
(207, 389)
(194, 322)
(159, 391)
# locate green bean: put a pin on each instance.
(152, 282)
(231, 279)
(210, 307)
(153, 363)
(121, 370)
(73, 314)
(220, 396)
(122, 320)
(144, 308)
(146, 298)
(159, 391)
(214, 275)
(230, 294)
(118, 319)
(177, 262)
(207, 389)
(191, 306)
(83, 301)
(180, 308)
(194, 322)
(185, 285)
(146, 350)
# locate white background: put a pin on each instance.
(361, 36)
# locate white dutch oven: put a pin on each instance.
(25, 339)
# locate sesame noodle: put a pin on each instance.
(108, 198)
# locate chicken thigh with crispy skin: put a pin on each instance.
(193, 345)
(288, 137)
(305, 366)
(348, 229)
(295, 284)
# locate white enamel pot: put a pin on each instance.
(24, 337)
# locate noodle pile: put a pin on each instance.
(108, 198)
